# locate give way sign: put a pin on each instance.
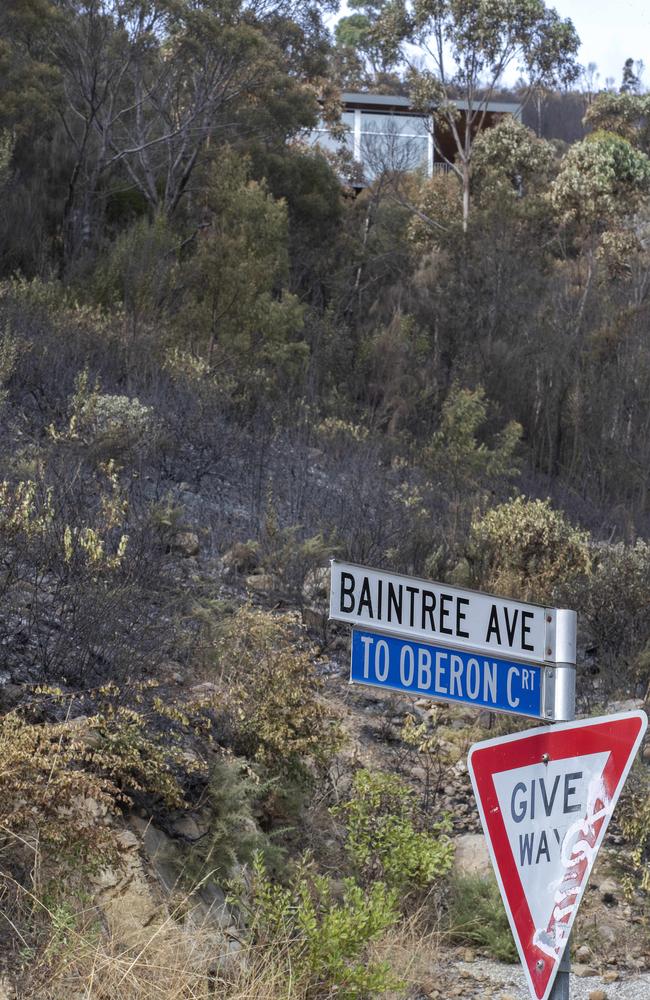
(545, 797)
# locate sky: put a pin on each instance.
(609, 32)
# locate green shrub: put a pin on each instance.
(461, 466)
(322, 940)
(113, 423)
(139, 271)
(232, 836)
(138, 751)
(612, 603)
(136, 760)
(456, 451)
(633, 816)
(525, 549)
(382, 839)
(476, 916)
(287, 556)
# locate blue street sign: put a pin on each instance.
(429, 671)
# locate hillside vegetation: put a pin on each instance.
(220, 366)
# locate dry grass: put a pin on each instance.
(186, 962)
(182, 964)
(77, 951)
(412, 948)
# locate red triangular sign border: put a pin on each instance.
(621, 736)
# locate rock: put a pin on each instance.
(213, 907)
(93, 809)
(160, 849)
(598, 995)
(205, 689)
(105, 878)
(471, 857)
(607, 934)
(261, 583)
(130, 912)
(185, 544)
(188, 828)
(610, 977)
(629, 705)
(583, 953)
(79, 722)
(581, 970)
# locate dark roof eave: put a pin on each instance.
(396, 101)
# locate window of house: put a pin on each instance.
(381, 141)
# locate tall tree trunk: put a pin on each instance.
(466, 194)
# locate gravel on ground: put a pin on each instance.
(506, 982)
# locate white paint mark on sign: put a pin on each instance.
(540, 805)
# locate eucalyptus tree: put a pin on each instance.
(141, 87)
(456, 53)
(625, 114)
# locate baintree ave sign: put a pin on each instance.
(545, 798)
(521, 656)
(466, 619)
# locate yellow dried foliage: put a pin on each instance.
(274, 691)
(47, 797)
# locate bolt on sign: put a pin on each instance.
(451, 644)
(545, 798)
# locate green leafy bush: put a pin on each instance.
(287, 556)
(461, 466)
(232, 836)
(382, 838)
(476, 916)
(322, 940)
(524, 548)
(612, 601)
(112, 423)
(139, 270)
(456, 452)
(633, 816)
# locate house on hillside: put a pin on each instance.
(383, 132)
